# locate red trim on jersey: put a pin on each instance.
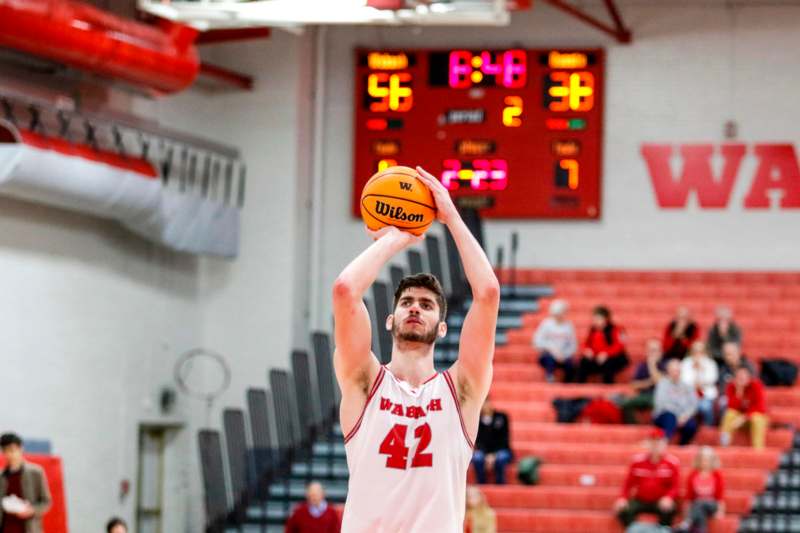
(453, 391)
(372, 392)
(430, 378)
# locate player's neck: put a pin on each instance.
(413, 363)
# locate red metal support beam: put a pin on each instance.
(224, 75)
(225, 35)
(519, 5)
(621, 33)
(386, 4)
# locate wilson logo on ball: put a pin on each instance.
(397, 197)
(397, 213)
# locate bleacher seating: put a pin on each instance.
(579, 481)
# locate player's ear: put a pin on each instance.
(442, 329)
(389, 322)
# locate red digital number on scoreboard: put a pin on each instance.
(517, 132)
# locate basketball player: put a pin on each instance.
(409, 431)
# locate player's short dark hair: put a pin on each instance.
(7, 439)
(114, 522)
(426, 281)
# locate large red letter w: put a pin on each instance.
(696, 174)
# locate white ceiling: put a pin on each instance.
(207, 14)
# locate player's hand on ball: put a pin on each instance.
(394, 233)
(445, 208)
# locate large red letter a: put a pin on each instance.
(777, 169)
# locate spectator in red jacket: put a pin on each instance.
(746, 405)
(680, 334)
(705, 492)
(314, 515)
(652, 484)
(604, 350)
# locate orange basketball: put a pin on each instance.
(397, 197)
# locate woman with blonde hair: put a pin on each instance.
(480, 517)
(705, 490)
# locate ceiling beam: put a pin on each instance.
(227, 76)
(225, 35)
(619, 31)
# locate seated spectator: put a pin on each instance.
(746, 405)
(680, 334)
(314, 515)
(705, 492)
(26, 484)
(604, 350)
(675, 405)
(699, 371)
(732, 358)
(556, 342)
(116, 525)
(652, 483)
(492, 448)
(723, 330)
(480, 517)
(645, 377)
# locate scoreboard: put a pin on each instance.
(514, 132)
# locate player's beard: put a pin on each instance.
(428, 337)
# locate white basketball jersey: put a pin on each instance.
(408, 456)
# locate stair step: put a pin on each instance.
(320, 469)
(295, 490)
(780, 501)
(525, 291)
(779, 523)
(451, 339)
(784, 479)
(515, 306)
(272, 511)
(256, 528)
(511, 321)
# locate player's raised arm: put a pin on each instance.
(353, 359)
(476, 348)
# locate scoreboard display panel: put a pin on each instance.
(514, 132)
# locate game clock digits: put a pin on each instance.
(516, 133)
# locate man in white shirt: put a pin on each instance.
(556, 342)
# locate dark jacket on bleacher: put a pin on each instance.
(493, 436)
